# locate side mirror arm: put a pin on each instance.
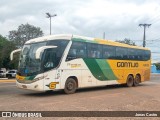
(15, 51)
(41, 49)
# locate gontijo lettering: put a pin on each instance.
(127, 64)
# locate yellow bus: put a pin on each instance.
(70, 62)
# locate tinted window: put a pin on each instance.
(77, 50)
(94, 50)
(147, 55)
(135, 54)
(121, 53)
(131, 54)
(61, 45)
(51, 57)
(109, 52)
(139, 54)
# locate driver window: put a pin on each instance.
(50, 60)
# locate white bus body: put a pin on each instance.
(49, 63)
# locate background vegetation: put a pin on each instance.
(15, 40)
(157, 65)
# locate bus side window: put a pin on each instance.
(77, 50)
(99, 51)
(131, 54)
(121, 53)
(139, 54)
(146, 55)
(72, 54)
(109, 52)
(94, 50)
(81, 53)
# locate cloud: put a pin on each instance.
(118, 19)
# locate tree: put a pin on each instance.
(127, 41)
(6, 47)
(157, 65)
(24, 33)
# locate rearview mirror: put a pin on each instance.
(41, 49)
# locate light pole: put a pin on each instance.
(50, 17)
(144, 35)
(104, 35)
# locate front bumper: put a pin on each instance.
(36, 86)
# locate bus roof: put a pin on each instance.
(82, 39)
(50, 37)
(106, 42)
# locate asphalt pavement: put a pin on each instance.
(145, 97)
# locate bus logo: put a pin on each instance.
(127, 64)
(52, 85)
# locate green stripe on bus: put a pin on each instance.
(106, 69)
(95, 69)
(30, 77)
(100, 69)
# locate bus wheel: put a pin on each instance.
(130, 81)
(70, 86)
(137, 80)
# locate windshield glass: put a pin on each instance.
(50, 58)
(28, 65)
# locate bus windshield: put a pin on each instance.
(29, 65)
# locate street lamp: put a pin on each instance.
(50, 16)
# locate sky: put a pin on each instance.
(119, 19)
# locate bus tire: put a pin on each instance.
(70, 86)
(137, 80)
(130, 81)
